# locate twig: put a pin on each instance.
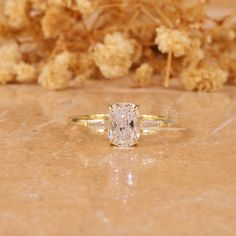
(133, 18)
(148, 14)
(108, 6)
(162, 15)
(168, 69)
(90, 36)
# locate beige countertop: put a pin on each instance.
(61, 180)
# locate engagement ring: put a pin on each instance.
(124, 123)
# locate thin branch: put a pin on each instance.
(90, 36)
(108, 6)
(162, 15)
(168, 69)
(148, 14)
(133, 18)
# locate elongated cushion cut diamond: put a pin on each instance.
(124, 124)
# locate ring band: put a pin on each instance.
(124, 123)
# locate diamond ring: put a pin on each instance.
(124, 123)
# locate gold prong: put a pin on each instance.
(136, 108)
(136, 142)
(110, 107)
(111, 141)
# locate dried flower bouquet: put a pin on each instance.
(62, 43)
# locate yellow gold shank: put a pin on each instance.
(90, 121)
(153, 117)
(84, 120)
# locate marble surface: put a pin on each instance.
(61, 180)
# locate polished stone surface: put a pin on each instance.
(61, 180)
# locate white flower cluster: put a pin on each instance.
(172, 40)
(207, 79)
(85, 6)
(12, 67)
(144, 74)
(114, 57)
(56, 75)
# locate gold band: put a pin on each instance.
(153, 117)
(84, 120)
(124, 124)
(97, 123)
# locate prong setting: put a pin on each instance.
(136, 108)
(124, 124)
(110, 107)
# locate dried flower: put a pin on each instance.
(195, 54)
(25, 73)
(56, 20)
(114, 56)
(55, 74)
(204, 79)
(143, 75)
(10, 52)
(66, 3)
(66, 42)
(9, 57)
(16, 13)
(85, 7)
(228, 62)
(172, 40)
(84, 64)
(6, 72)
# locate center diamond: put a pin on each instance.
(124, 124)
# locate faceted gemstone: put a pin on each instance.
(124, 124)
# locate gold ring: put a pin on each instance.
(124, 123)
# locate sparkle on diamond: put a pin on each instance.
(124, 124)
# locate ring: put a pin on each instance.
(124, 123)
